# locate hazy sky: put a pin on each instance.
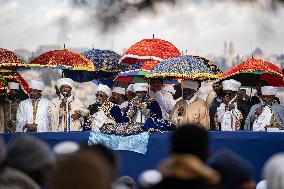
(201, 28)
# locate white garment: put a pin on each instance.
(165, 100)
(123, 105)
(227, 118)
(98, 119)
(263, 120)
(25, 115)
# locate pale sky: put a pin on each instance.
(199, 28)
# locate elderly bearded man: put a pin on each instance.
(32, 114)
(191, 109)
(66, 111)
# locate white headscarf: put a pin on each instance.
(273, 171)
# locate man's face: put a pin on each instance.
(260, 84)
(116, 97)
(217, 88)
(268, 99)
(65, 90)
(155, 85)
(101, 97)
(242, 94)
(130, 95)
(228, 96)
(188, 93)
(34, 94)
(13, 93)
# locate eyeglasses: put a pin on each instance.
(99, 95)
(226, 93)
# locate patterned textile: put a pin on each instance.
(136, 143)
(187, 67)
(153, 124)
(122, 128)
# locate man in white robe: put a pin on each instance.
(164, 98)
(32, 114)
(118, 97)
(66, 111)
(266, 115)
(107, 112)
(229, 117)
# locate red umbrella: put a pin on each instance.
(10, 61)
(64, 59)
(149, 49)
(252, 70)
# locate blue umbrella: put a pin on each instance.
(186, 67)
(105, 63)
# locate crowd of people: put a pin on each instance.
(26, 162)
(141, 107)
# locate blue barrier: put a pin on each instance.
(257, 147)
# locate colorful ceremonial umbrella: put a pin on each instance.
(186, 67)
(105, 63)
(252, 70)
(63, 59)
(149, 49)
(136, 73)
(10, 61)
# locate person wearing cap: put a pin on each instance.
(164, 98)
(228, 116)
(10, 105)
(266, 114)
(66, 111)
(236, 172)
(29, 163)
(191, 108)
(130, 94)
(32, 113)
(107, 112)
(118, 97)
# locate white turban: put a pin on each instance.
(65, 81)
(38, 85)
(190, 84)
(231, 85)
(13, 85)
(130, 88)
(119, 90)
(105, 89)
(268, 90)
(273, 171)
(140, 87)
(169, 88)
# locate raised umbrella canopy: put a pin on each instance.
(105, 63)
(186, 67)
(149, 49)
(252, 70)
(63, 59)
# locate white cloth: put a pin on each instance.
(55, 113)
(65, 81)
(169, 88)
(140, 87)
(227, 118)
(190, 84)
(130, 88)
(123, 105)
(13, 85)
(268, 90)
(37, 85)
(165, 100)
(263, 120)
(25, 115)
(118, 90)
(105, 89)
(231, 85)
